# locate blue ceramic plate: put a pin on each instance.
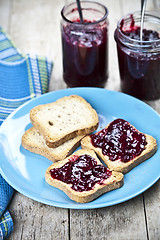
(25, 170)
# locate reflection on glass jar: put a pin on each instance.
(85, 45)
(139, 61)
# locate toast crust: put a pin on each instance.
(64, 119)
(113, 182)
(33, 141)
(118, 165)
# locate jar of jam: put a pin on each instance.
(85, 45)
(139, 60)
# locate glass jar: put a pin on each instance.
(85, 45)
(139, 61)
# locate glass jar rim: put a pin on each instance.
(138, 13)
(86, 23)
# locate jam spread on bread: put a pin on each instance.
(119, 141)
(82, 172)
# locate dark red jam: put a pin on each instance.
(139, 68)
(147, 35)
(82, 172)
(85, 55)
(120, 141)
(133, 31)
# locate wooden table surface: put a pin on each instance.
(34, 26)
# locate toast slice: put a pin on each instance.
(125, 162)
(64, 119)
(33, 141)
(74, 176)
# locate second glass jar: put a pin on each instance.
(139, 61)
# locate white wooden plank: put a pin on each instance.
(34, 220)
(133, 6)
(115, 13)
(119, 222)
(5, 6)
(152, 198)
(152, 208)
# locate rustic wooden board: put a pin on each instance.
(35, 28)
(33, 220)
(123, 221)
(152, 210)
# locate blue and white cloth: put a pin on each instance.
(6, 223)
(22, 77)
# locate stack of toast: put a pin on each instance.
(58, 129)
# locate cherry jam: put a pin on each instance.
(85, 44)
(133, 31)
(147, 35)
(85, 56)
(82, 172)
(120, 141)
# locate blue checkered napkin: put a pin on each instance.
(22, 77)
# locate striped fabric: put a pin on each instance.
(8, 51)
(6, 223)
(22, 77)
